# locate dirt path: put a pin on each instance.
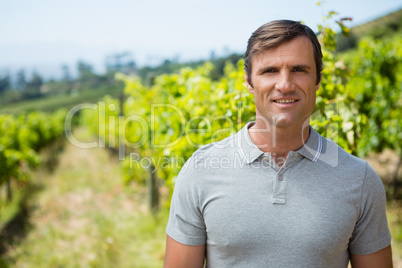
(85, 217)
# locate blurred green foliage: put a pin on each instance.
(358, 105)
(21, 139)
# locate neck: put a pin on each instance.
(279, 141)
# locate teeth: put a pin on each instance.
(285, 101)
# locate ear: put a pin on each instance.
(318, 85)
(249, 87)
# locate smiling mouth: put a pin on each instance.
(285, 101)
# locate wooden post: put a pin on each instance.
(122, 146)
(153, 189)
(121, 103)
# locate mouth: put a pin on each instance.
(286, 101)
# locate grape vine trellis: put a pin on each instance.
(359, 99)
(21, 139)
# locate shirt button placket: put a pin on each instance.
(279, 191)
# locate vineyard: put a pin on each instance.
(359, 105)
(156, 128)
(21, 140)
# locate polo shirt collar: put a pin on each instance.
(247, 149)
(249, 152)
(313, 147)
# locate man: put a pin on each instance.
(281, 195)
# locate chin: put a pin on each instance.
(287, 123)
(284, 125)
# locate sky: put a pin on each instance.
(44, 34)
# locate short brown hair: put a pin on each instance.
(276, 33)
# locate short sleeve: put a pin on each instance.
(371, 232)
(186, 224)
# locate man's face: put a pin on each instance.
(284, 83)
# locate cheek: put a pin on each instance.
(266, 84)
(264, 88)
(310, 91)
(260, 96)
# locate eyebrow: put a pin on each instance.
(301, 66)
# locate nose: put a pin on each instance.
(283, 83)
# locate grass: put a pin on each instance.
(53, 103)
(394, 215)
(9, 209)
(85, 217)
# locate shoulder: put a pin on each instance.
(201, 160)
(218, 149)
(347, 164)
(336, 156)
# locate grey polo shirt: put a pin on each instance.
(320, 205)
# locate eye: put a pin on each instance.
(298, 70)
(270, 70)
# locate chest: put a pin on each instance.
(316, 215)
